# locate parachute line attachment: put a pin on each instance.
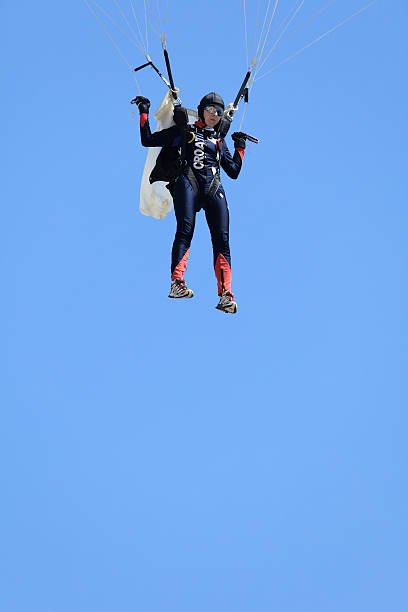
(150, 63)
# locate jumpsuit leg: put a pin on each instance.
(185, 209)
(217, 215)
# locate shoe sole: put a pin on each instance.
(178, 297)
(233, 311)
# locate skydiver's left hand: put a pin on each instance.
(229, 111)
(239, 139)
(143, 104)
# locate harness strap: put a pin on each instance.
(216, 181)
(192, 179)
(185, 168)
(214, 185)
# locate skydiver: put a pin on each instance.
(198, 186)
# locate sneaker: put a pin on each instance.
(226, 303)
(178, 289)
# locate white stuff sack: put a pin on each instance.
(155, 199)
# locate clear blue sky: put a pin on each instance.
(158, 455)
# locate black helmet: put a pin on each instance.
(211, 99)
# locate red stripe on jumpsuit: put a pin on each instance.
(240, 152)
(223, 273)
(181, 267)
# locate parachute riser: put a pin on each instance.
(170, 75)
(225, 122)
(150, 63)
(169, 83)
(243, 91)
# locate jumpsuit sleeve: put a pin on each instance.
(231, 164)
(169, 137)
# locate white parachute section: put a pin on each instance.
(155, 198)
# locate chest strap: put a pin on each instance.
(188, 172)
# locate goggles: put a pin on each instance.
(214, 110)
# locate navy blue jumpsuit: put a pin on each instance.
(204, 154)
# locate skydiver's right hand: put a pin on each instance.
(180, 115)
(143, 104)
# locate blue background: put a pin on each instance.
(158, 455)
